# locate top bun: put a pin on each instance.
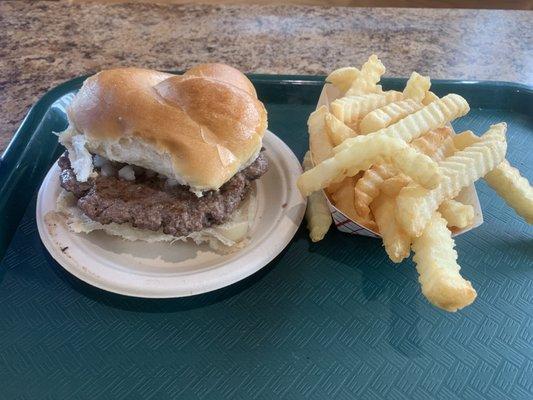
(199, 128)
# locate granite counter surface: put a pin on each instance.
(45, 43)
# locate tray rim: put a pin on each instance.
(20, 140)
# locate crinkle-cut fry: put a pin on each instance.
(332, 188)
(317, 213)
(351, 108)
(506, 180)
(417, 87)
(388, 115)
(416, 205)
(513, 188)
(446, 150)
(343, 199)
(343, 78)
(457, 214)
(396, 242)
(436, 263)
(433, 116)
(368, 186)
(337, 130)
(370, 150)
(464, 139)
(320, 145)
(392, 186)
(430, 142)
(370, 75)
(417, 166)
(430, 98)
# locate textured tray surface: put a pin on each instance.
(329, 320)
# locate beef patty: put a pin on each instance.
(149, 202)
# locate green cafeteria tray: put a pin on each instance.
(331, 320)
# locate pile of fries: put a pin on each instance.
(391, 162)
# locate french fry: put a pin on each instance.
(370, 75)
(446, 150)
(343, 199)
(367, 188)
(319, 143)
(430, 98)
(417, 166)
(417, 87)
(430, 142)
(317, 213)
(506, 180)
(343, 78)
(370, 150)
(433, 116)
(396, 242)
(416, 205)
(513, 188)
(387, 115)
(337, 130)
(464, 139)
(457, 214)
(350, 109)
(392, 186)
(436, 263)
(333, 187)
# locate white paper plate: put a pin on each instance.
(180, 269)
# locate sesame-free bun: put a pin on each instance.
(223, 73)
(199, 128)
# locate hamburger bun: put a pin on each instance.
(199, 128)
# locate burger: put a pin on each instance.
(159, 157)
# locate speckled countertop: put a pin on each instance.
(45, 43)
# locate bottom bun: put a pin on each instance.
(229, 236)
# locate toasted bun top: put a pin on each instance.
(223, 73)
(199, 128)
